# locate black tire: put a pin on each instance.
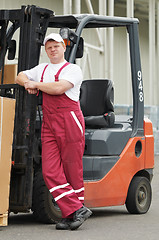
(139, 196)
(44, 207)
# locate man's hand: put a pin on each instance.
(52, 88)
(30, 87)
(32, 91)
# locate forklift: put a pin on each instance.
(118, 160)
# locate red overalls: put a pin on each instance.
(63, 140)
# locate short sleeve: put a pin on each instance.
(72, 73)
(35, 73)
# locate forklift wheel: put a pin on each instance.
(139, 196)
(44, 207)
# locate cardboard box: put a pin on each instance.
(10, 73)
(7, 113)
(4, 219)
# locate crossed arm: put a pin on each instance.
(54, 88)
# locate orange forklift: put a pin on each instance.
(118, 160)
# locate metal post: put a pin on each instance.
(77, 10)
(77, 6)
(151, 50)
(157, 97)
(130, 8)
(103, 32)
(111, 41)
(67, 7)
(129, 13)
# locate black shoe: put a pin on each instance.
(79, 217)
(64, 224)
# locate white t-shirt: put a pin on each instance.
(71, 73)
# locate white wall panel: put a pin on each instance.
(94, 65)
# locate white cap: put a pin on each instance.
(54, 36)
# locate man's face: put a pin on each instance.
(55, 51)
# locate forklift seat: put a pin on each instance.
(96, 100)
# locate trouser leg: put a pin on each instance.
(72, 151)
(54, 175)
(73, 168)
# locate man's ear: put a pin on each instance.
(64, 46)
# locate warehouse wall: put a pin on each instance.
(94, 63)
(54, 5)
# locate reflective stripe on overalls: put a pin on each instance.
(62, 150)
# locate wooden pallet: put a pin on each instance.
(4, 219)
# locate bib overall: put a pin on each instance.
(63, 140)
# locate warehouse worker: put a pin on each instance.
(63, 130)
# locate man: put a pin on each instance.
(63, 130)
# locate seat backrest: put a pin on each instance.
(97, 97)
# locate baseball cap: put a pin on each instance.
(54, 36)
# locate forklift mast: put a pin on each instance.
(32, 22)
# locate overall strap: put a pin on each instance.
(56, 76)
(58, 73)
(42, 76)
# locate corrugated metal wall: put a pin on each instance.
(102, 60)
(109, 65)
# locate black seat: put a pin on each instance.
(96, 100)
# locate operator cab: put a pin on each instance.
(105, 138)
(106, 134)
(97, 105)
